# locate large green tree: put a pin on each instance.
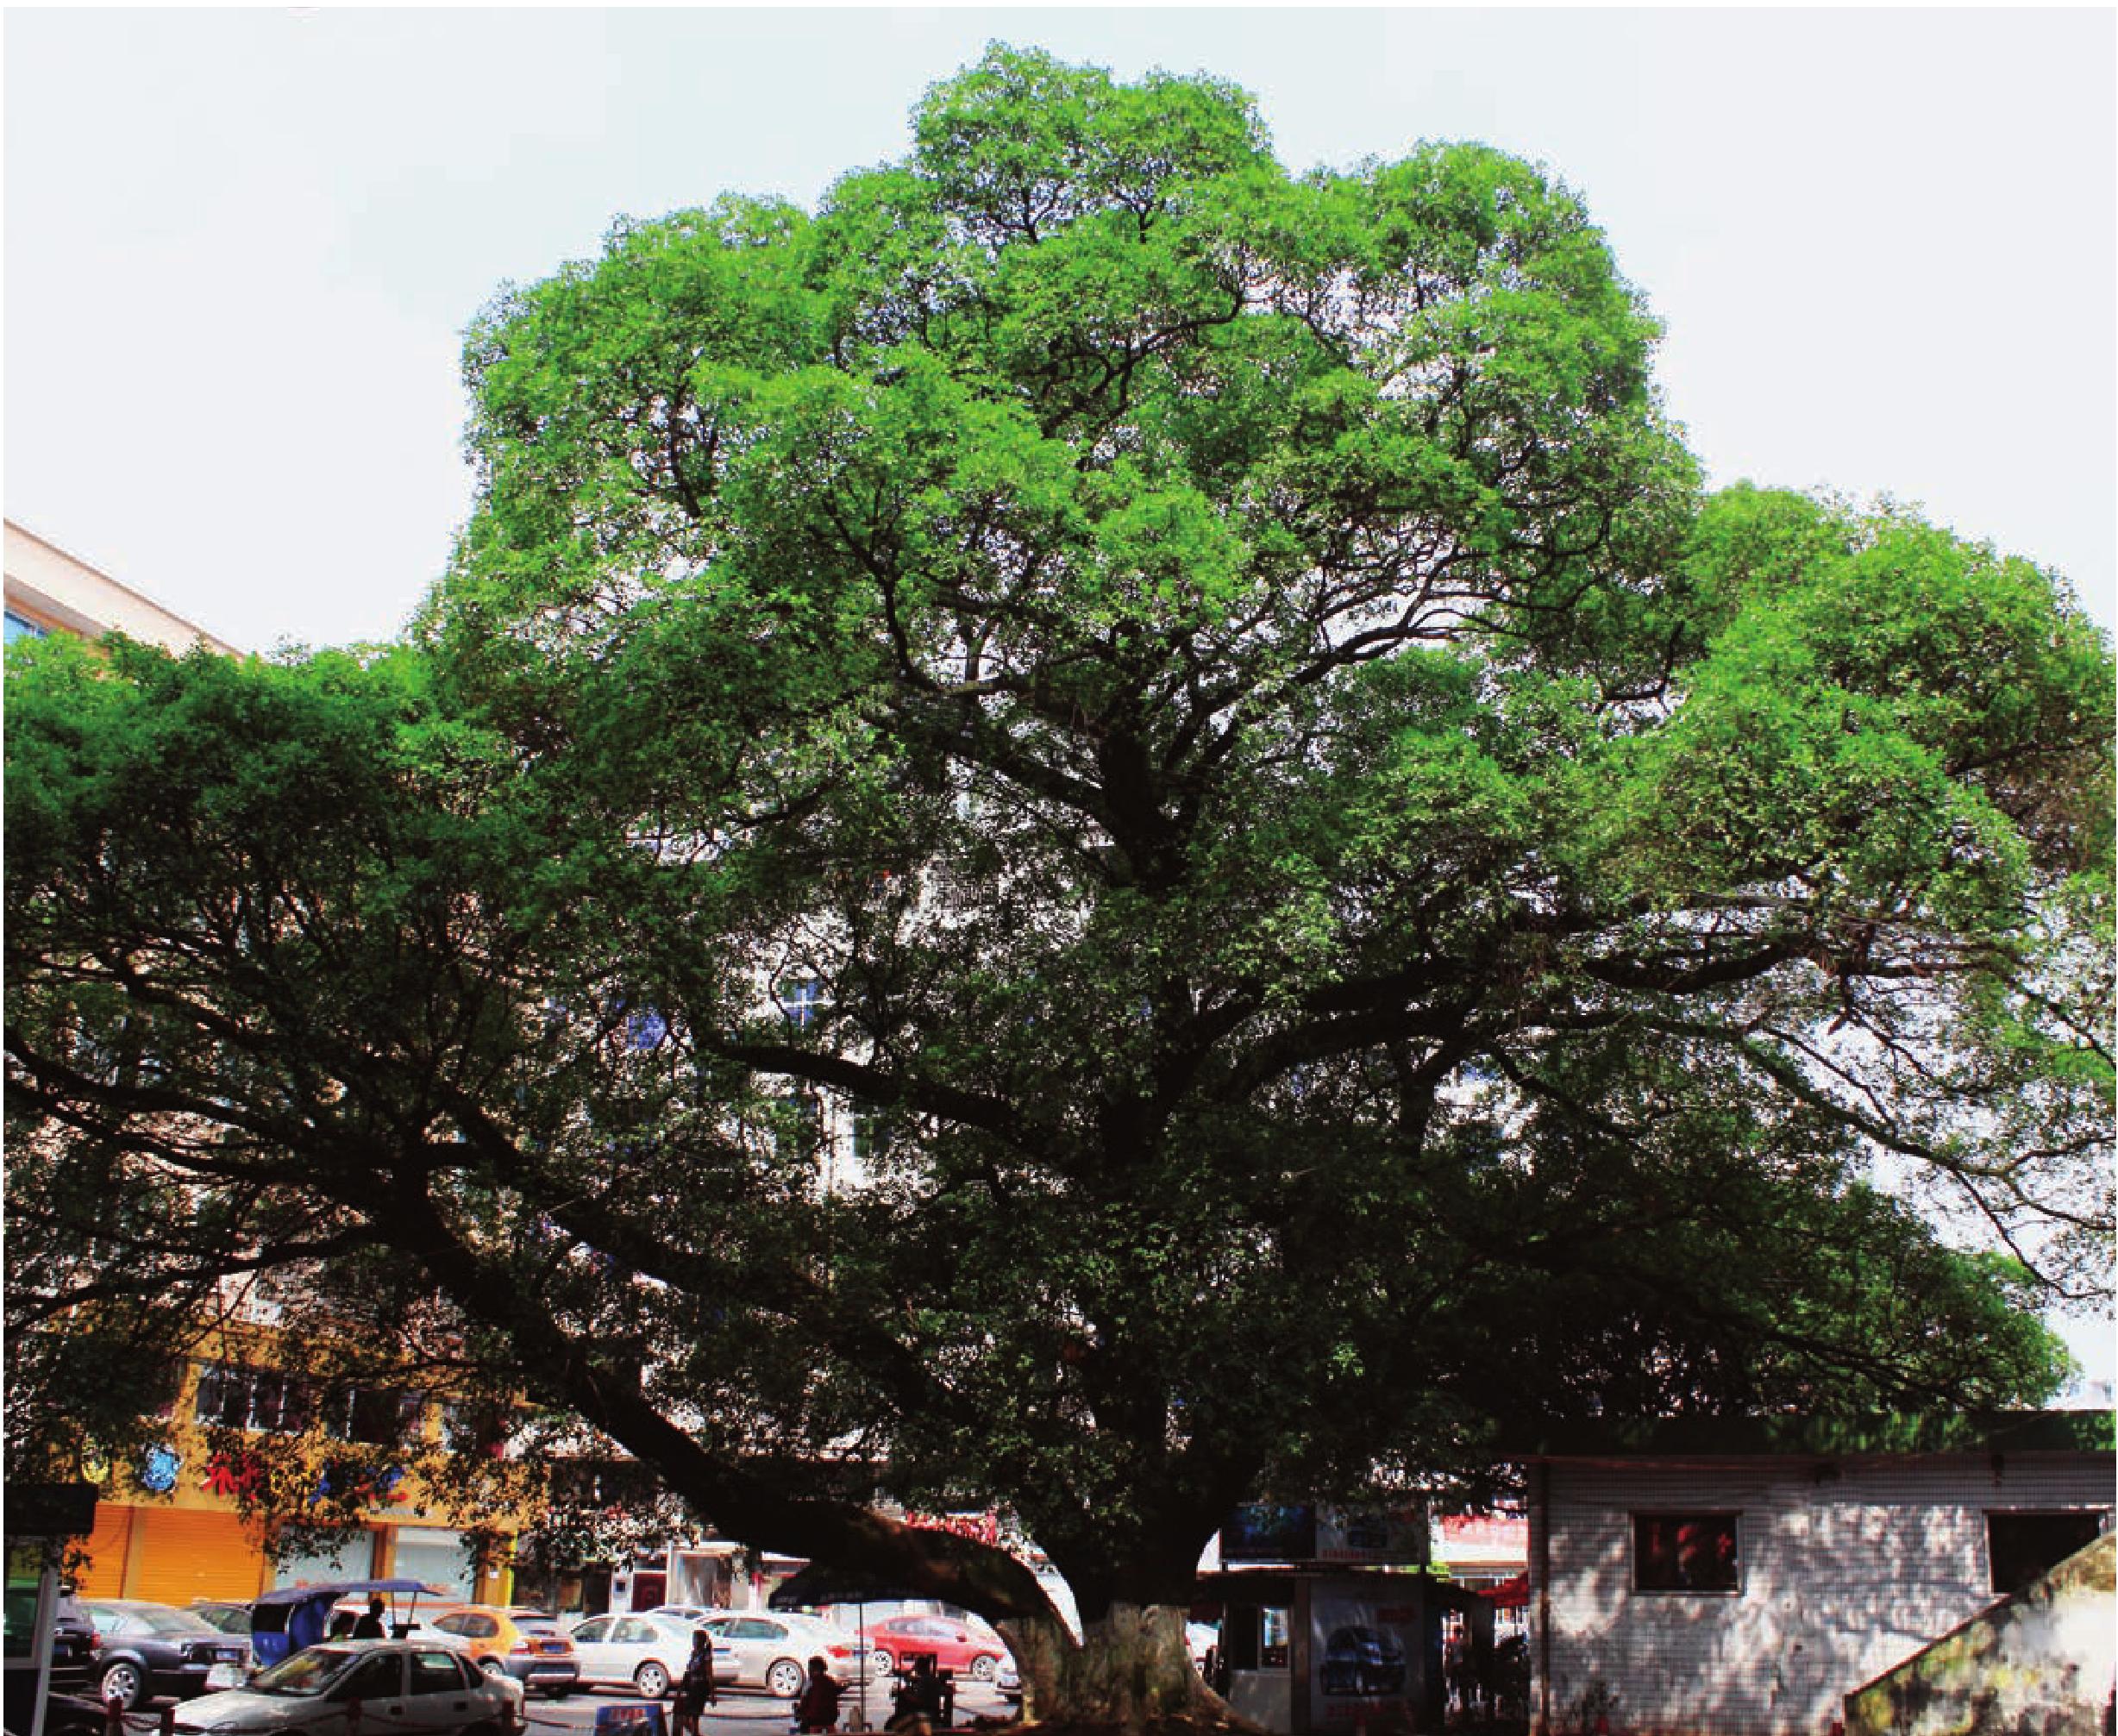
(1199, 718)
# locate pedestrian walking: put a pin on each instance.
(695, 1690)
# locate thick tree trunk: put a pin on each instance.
(1131, 1669)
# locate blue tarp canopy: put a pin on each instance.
(284, 1620)
(337, 1589)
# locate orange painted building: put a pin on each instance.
(170, 1527)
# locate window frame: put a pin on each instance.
(1636, 1518)
(2097, 1517)
(273, 1402)
(435, 1662)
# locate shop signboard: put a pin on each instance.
(1261, 1531)
(1362, 1537)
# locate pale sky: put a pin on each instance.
(241, 245)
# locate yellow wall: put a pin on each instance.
(190, 1541)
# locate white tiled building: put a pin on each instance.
(1734, 1579)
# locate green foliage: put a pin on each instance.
(1356, 914)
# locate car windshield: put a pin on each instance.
(304, 1675)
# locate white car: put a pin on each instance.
(412, 1686)
(648, 1652)
(770, 1650)
(685, 1611)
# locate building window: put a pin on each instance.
(251, 1399)
(871, 1139)
(476, 1428)
(374, 1416)
(20, 627)
(799, 1132)
(1685, 1551)
(801, 1000)
(2023, 1547)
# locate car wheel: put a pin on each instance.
(124, 1682)
(879, 1663)
(651, 1679)
(492, 1667)
(984, 1667)
(785, 1678)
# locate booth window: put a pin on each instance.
(1686, 1551)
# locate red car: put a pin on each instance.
(955, 1645)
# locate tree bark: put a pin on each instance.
(1130, 1671)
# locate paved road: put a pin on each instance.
(743, 1712)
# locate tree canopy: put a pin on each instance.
(1099, 831)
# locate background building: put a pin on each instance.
(49, 590)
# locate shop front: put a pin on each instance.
(1327, 1652)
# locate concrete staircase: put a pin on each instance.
(2041, 1662)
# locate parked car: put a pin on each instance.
(152, 1648)
(648, 1652)
(1364, 1660)
(771, 1652)
(528, 1645)
(74, 1641)
(685, 1611)
(229, 1617)
(1008, 1679)
(954, 1645)
(413, 1686)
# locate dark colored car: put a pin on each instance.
(229, 1617)
(1364, 1660)
(73, 1655)
(74, 1645)
(151, 1649)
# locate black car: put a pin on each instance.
(152, 1649)
(74, 1651)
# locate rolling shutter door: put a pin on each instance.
(197, 1555)
(352, 1557)
(104, 1574)
(440, 1558)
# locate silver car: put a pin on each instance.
(771, 1652)
(408, 1685)
(648, 1652)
